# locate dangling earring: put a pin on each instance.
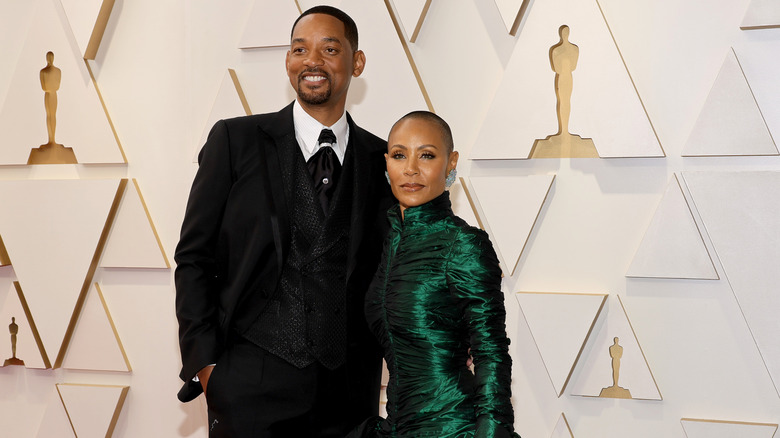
(387, 177)
(450, 180)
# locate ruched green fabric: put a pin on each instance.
(436, 295)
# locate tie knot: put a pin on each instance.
(327, 137)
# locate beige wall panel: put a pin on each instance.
(133, 241)
(562, 429)
(673, 246)
(82, 123)
(229, 102)
(741, 212)
(412, 14)
(509, 233)
(93, 410)
(388, 88)
(306, 4)
(561, 324)
(55, 423)
(96, 344)
(269, 24)
(756, 59)
(27, 339)
(731, 122)
(512, 13)
(52, 237)
(696, 428)
(5, 260)
(605, 105)
(762, 14)
(461, 205)
(595, 371)
(87, 20)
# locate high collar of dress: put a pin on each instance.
(433, 210)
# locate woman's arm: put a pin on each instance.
(474, 279)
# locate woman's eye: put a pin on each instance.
(397, 156)
(428, 156)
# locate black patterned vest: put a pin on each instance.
(307, 321)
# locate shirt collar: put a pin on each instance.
(307, 132)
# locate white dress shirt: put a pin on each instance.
(307, 132)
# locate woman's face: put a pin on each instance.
(417, 162)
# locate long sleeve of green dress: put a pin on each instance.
(436, 295)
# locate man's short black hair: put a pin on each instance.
(350, 28)
(444, 128)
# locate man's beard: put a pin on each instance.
(317, 97)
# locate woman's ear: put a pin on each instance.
(453, 160)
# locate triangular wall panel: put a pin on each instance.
(5, 260)
(96, 344)
(230, 102)
(509, 233)
(93, 410)
(562, 429)
(731, 122)
(595, 370)
(560, 324)
(673, 246)
(412, 15)
(697, 428)
(88, 20)
(29, 347)
(512, 13)
(133, 240)
(81, 120)
(54, 237)
(741, 213)
(306, 4)
(605, 105)
(762, 14)
(269, 24)
(756, 59)
(55, 423)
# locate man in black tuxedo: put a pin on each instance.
(280, 240)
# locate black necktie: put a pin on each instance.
(325, 168)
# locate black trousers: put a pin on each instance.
(254, 394)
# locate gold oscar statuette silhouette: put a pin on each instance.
(51, 152)
(615, 391)
(14, 329)
(563, 60)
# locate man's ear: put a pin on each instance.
(358, 63)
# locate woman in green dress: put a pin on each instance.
(436, 297)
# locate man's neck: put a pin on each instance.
(327, 114)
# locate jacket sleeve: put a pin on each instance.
(196, 276)
(475, 279)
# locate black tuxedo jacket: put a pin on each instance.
(236, 235)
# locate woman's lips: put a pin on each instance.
(412, 187)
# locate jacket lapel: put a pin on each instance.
(277, 138)
(360, 189)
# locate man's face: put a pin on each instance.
(321, 62)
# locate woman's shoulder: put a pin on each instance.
(468, 235)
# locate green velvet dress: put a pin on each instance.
(436, 295)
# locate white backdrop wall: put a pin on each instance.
(160, 67)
